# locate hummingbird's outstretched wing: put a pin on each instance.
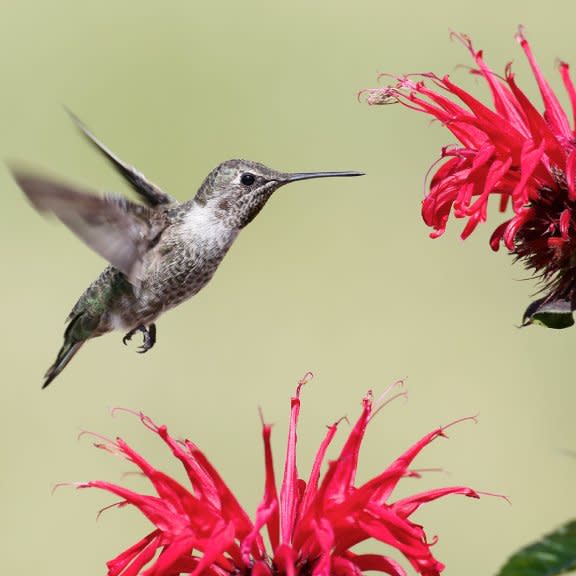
(117, 229)
(149, 192)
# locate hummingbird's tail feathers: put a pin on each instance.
(66, 354)
(148, 192)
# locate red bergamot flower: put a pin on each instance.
(510, 150)
(312, 526)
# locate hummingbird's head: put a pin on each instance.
(238, 189)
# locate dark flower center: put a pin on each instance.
(546, 243)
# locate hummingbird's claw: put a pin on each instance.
(149, 337)
(128, 335)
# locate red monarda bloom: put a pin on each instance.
(312, 526)
(510, 150)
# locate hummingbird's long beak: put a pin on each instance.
(308, 175)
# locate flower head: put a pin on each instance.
(526, 158)
(312, 526)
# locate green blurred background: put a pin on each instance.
(338, 277)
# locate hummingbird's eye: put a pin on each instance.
(247, 179)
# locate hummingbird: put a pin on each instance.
(160, 251)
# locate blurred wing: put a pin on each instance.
(149, 192)
(118, 230)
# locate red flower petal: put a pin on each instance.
(288, 492)
(553, 111)
(134, 558)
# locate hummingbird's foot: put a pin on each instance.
(149, 339)
(128, 335)
(149, 336)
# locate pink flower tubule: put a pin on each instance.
(526, 158)
(311, 526)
